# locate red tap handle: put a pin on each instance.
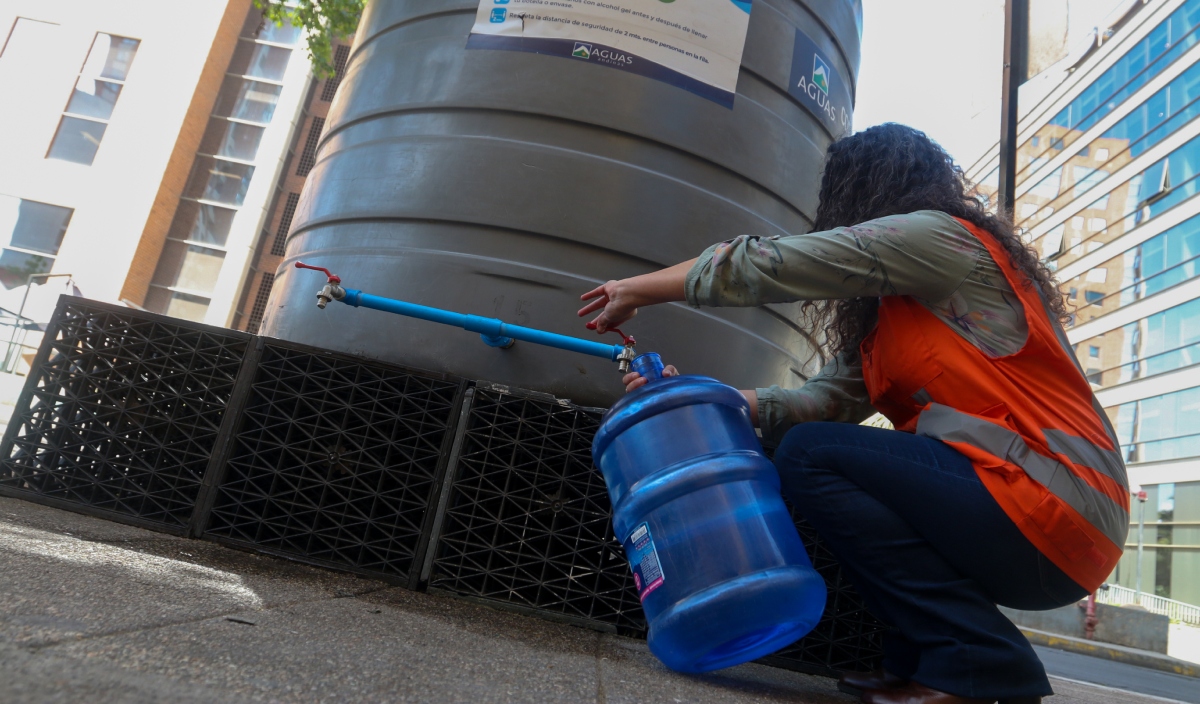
(333, 278)
(625, 339)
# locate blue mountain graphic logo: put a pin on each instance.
(820, 76)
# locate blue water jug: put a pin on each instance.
(717, 561)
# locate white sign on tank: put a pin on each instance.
(693, 44)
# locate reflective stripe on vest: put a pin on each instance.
(947, 424)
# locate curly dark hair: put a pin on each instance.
(893, 169)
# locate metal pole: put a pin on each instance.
(1141, 495)
(1016, 41)
(8, 356)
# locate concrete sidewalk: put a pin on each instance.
(1117, 653)
(93, 611)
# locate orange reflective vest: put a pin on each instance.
(1028, 422)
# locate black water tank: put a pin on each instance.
(505, 184)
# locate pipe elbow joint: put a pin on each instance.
(488, 327)
(498, 341)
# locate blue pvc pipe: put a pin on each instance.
(493, 330)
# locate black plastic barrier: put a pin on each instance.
(526, 520)
(422, 479)
(120, 413)
(335, 460)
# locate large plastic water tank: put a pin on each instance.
(505, 184)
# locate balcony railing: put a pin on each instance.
(1179, 611)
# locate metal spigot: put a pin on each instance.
(625, 359)
(332, 290)
(627, 354)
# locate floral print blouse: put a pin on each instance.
(927, 255)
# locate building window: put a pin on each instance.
(191, 260)
(231, 139)
(219, 180)
(1052, 242)
(30, 234)
(1138, 66)
(1161, 343)
(1156, 190)
(252, 101)
(1159, 263)
(261, 29)
(1148, 124)
(1161, 428)
(255, 60)
(91, 104)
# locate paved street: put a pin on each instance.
(1118, 675)
(101, 612)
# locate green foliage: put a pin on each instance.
(323, 22)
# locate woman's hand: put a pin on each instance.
(633, 380)
(752, 399)
(615, 301)
(619, 301)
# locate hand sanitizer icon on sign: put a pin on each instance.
(498, 15)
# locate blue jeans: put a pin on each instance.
(929, 550)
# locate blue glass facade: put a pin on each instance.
(1159, 263)
(1149, 57)
(1158, 428)
(1136, 296)
(1157, 344)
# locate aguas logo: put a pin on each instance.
(820, 74)
(611, 57)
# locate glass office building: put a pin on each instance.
(1108, 170)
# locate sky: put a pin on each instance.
(936, 65)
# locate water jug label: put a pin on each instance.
(643, 560)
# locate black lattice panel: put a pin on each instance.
(120, 413)
(528, 521)
(336, 461)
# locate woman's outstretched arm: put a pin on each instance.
(926, 254)
(618, 301)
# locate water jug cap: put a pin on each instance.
(649, 365)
